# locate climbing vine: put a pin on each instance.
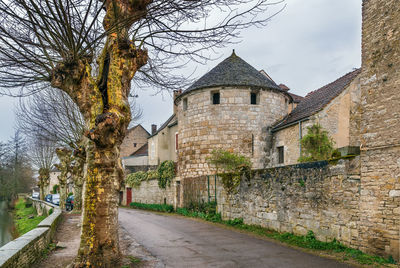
(135, 179)
(316, 145)
(166, 172)
(231, 168)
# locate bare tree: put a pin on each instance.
(42, 155)
(65, 45)
(51, 119)
(16, 174)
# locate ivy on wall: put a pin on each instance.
(164, 173)
(231, 168)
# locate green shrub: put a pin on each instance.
(56, 187)
(316, 145)
(231, 168)
(153, 207)
(50, 211)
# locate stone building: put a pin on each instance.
(163, 142)
(135, 138)
(231, 107)
(333, 106)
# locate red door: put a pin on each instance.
(128, 196)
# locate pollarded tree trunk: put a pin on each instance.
(77, 171)
(64, 155)
(104, 105)
(44, 178)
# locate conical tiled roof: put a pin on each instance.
(233, 71)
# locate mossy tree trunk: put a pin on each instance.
(65, 157)
(77, 171)
(44, 180)
(103, 101)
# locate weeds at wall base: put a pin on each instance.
(308, 241)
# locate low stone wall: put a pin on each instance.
(26, 249)
(318, 196)
(150, 193)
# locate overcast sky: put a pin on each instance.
(309, 44)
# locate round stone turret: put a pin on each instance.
(229, 108)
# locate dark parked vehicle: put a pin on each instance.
(69, 204)
(48, 198)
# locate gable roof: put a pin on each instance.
(316, 100)
(296, 98)
(135, 127)
(171, 120)
(233, 71)
(143, 150)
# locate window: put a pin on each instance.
(281, 155)
(215, 97)
(253, 98)
(134, 145)
(185, 104)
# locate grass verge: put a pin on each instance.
(208, 212)
(25, 217)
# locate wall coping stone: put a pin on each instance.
(11, 250)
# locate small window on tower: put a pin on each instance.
(134, 145)
(215, 98)
(281, 155)
(253, 98)
(185, 104)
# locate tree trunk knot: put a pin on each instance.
(141, 57)
(106, 133)
(68, 73)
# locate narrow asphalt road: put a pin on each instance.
(180, 242)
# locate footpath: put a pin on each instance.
(64, 248)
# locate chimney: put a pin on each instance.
(176, 94)
(153, 129)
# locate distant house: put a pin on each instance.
(54, 173)
(134, 140)
(163, 142)
(333, 106)
(134, 153)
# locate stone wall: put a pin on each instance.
(380, 128)
(150, 193)
(233, 125)
(27, 249)
(317, 196)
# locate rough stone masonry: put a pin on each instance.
(380, 128)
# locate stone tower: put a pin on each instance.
(228, 108)
(380, 128)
